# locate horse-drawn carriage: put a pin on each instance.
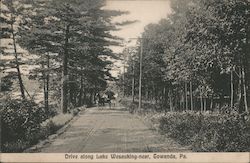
(105, 97)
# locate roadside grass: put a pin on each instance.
(53, 124)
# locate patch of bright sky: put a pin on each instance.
(145, 11)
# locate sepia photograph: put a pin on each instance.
(130, 80)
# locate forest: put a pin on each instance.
(198, 58)
(196, 61)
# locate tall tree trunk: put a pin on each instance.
(133, 82)
(232, 90)
(183, 100)
(91, 97)
(164, 95)
(64, 89)
(17, 62)
(146, 92)
(212, 101)
(244, 89)
(205, 104)
(175, 103)
(240, 91)
(71, 85)
(153, 92)
(156, 94)
(45, 87)
(46, 93)
(85, 96)
(81, 92)
(186, 96)
(170, 100)
(201, 100)
(180, 100)
(191, 96)
(140, 76)
(123, 81)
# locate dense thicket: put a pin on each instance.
(197, 58)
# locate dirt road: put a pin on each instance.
(110, 130)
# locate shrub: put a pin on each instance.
(16, 146)
(228, 133)
(24, 123)
(20, 120)
(208, 132)
(181, 125)
(56, 122)
(75, 111)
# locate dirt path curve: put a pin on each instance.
(110, 130)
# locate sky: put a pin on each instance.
(144, 11)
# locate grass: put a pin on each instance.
(55, 123)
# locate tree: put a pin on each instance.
(78, 33)
(203, 43)
(10, 31)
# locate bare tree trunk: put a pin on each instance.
(133, 82)
(183, 100)
(191, 96)
(164, 95)
(239, 86)
(156, 95)
(194, 101)
(71, 85)
(246, 86)
(84, 96)
(240, 90)
(140, 77)
(64, 89)
(244, 89)
(44, 86)
(186, 96)
(123, 79)
(46, 93)
(170, 100)
(201, 100)
(17, 62)
(146, 92)
(232, 90)
(81, 92)
(175, 103)
(205, 104)
(91, 97)
(154, 92)
(180, 100)
(211, 104)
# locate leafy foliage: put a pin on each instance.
(194, 52)
(20, 120)
(208, 132)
